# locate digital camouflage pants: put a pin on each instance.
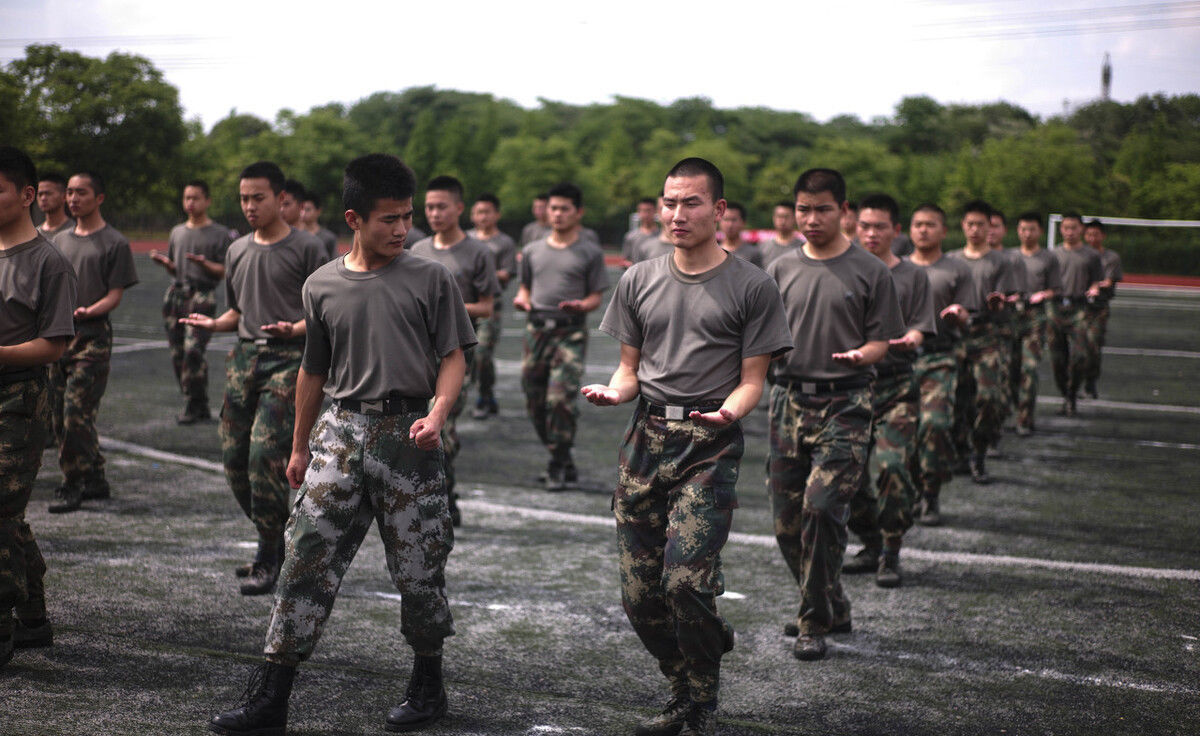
(256, 430)
(881, 510)
(1070, 346)
(818, 455)
(188, 344)
(936, 375)
(1028, 342)
(674, 505)
(1097, 329)
(79, 379)
(551, 371)
(364, 468)
(24, 411)
(487, 331)
(981, 405)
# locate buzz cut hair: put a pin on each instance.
(998, 213)
(268, 170)
(1072, 216)
(446, 184)
(17, 167)
(201, 185)
(882, 202)
(542, 197)
(296, 189)
(741, 209)
(490, 198)
(785, 204)
(97, 181)
(696, 166)
(567, 190)
(853, 206)
(815, 181)
(931, 207)
(373, 177)
(1094, 223)
(54, 178)
(978, 206)
(648, 200)
(1031, 216)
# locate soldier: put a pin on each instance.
(881, 519)
(562, 279)
(310, 219)
(842, 311)
(104, 268)
(195, 259)
(291, 203)
(386, 333)
(1006, 318)
(651, 248)
(981, 405)
(1097, 314)
(38, 285)
(783, 219)
(936, 369)
(850, 221)
(647, 228)
(697, 330)
(485, 215)
(264, 272)
(52, 201)
(1082, 274)
(732, 224)
(472, 265)
(1042, 283)
(540, 227)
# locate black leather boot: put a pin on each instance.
(265, 570)
(979, 472)
(425, 699)
(265, 704)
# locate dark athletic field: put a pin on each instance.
(1062, 599)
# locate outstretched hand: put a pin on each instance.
(720, 418)
(601, 395)
(195, 319)
(850, 357)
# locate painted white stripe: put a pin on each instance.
(1126, 405)
(108, 443)
(1152, 353)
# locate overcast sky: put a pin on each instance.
(824, 59)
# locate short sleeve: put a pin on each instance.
(922, 316)
(56, 308)
(121, 270)
(1053, 274)
(527, 268)
(449, 325)
(766, 329)
(620, 319)
(231, 299)
(597, 277)
(317, 349)
(883, 318)
(485, 282)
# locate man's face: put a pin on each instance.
(1071, 230)
(975, 227)
(732, 225)
(195, 203)
(289, 208)
(689, 215)
(1094, 237)
(309, 212)
(14, 201)
(259, 203)
(819, 217)
(383, 233)
(484, 215)
(1029, 232)
(927, 230)
(82, 199)
(563, 213)
(539, 209)
(783, 219)
(645, 213)
(442, 210)
(50, 197)
(875, 230)
(850, 223)
(996, 232)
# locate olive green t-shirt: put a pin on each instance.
(263, 282)
(470, 263)
(68, 224)
(749, 252)
(772, 248)
(992, 272)
(555, 275)
(651, 248)
(211, 241)
(37, 294)
(916, 308)
(1112, 271)
(102, 261)
(1041, 271)
(1079, 268)
(949, 283)
(329, 240)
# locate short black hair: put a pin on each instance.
(815, 181)
(543, 196)
(785, 203)
(998, 213)
(1072, 216)
(201, 185)
(1094, 223)
(567, 190)
(17, 167)
(268, 170)
(741, 209)
(977, 206)
(96, 180)
(931, 207)
(696, 166)
(446, 184)
(1031, 216)
(54, 178)
(373, 177)
(648, 200)
(853, 206)
(311, 196)
(490, 198)
(296, 189)
(882, 202)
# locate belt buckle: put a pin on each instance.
(550, 324)
(674, 413)
(807, 387)
(261, 340)
(371, 407)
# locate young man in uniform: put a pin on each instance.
(264, 272)
(310, 219)
(783, 219)
(651, 248)
(562, 279)
(697, 330)
(485, 215)
(386, 333)
(472, 265)
(38, 285)
(104, 268)
(291, 203)
(982, 401)
(880, 518)
(1082, 273)
(52, 201)
(1042, 284)
(1097, 315)
(936, 369)
(195, 258)
(1006, 319)
(540, 227)
(647, 228)
(842, 311)
(732, 224)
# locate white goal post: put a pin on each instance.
(1054, 219)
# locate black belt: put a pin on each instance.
(931, 347)
(573, 320)
(1074, 301)
(889, 371)
(676, 411)
(8, 378)
(274, 341)
(823, 386)
(392, 405)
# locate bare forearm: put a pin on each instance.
(309, 394)
(449, 384)
(481, 309)
(227, 322)
(742, 400)
(625, 381)
(38, 351)
(103, 305)
(873, 351)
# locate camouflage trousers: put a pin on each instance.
(936, 375)
(881, 510)
(674, 506)
(450, 441)
(188, 344)
(980, 405)
(487, 331)
(1005, 332)
(78, 381)
(817, 459)
(1097, 329)
(256, 430)
(551, 372)
(24, 411)
(364, 468)
(1070, 346)
(1026, 355)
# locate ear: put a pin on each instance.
(99, 199)
(28, 195)
(720, 207)
(353, 221)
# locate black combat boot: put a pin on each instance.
(930, 516)
(670, 720)
(265, 570)
(67, 497)
(96, 489)
(265, 704)
(701, 720)
(888, 575)
(865, 560)
(425, 699)
(979, 473)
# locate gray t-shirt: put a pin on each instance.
(381, 333)
(210, 241)
(1041, 271)
(834, 305)
(533, 231)
(1079, 268)
(693, 331)
(902, 245)
(950, 283)
(772, 248)
(263, 282)
(555, 275)
(102, 262)
(1112, 271)
(470, 263)
(631, 240)
(504, 251)
(650, 249)
(37, 294)
(916, 308)
(329, 240)
(414, 236)
(68, 224)
(749, 252)
(990, 273)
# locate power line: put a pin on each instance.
(88, 41)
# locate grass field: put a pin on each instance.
(1062, 599)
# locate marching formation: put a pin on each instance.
(887, 366)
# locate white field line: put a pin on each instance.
(1127, 405)
(1151, 353)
